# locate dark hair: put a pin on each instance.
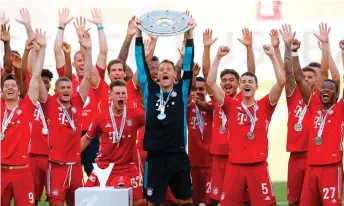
(47, 73)
(16, 52)
(128, 68)
(309, 69)
(200, 79)
(230, 71)
(170, 62)
(76, 53)
(62, 79)
(314, 64)
(9, 77)
(330, 80)
(115, 61)
(250, 74)
(118, 83)
(155, 59)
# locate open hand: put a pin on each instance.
(246, 37)
(96, 17)
(324, 31)
(5, 33)
(208, 38)
(24, 17)
(287, 34)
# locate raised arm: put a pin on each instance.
(35, 92)
(288, 37)
(275, 43)
(28, 49)
(208, 41)
(323, 37)
(86, 43)
(247, 41)
(215, 89)
(333, 67)
(180, 61)
(68, 62)
(25, 20)
(131, 31)
(298, 75)
(5, 37)
(18, 70)
(64, 19)
(103, 46)
(341, 45)
(276, 90)
(149, 51)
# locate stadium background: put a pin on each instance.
(225, 17)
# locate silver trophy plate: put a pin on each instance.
(164, 23)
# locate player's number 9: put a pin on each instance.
(265, 189)
(32, 199)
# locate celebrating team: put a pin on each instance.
(144, 120)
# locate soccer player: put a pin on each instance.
(299, 119)
(64, 116)
(39, 148)
(64, 69)
(165, 104)
(323, 179)
(229, 84)
(16, 115)
(117, 126)
(199, 139)
(248, 123)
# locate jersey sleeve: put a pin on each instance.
(101, 72)
(186, 75)
(102, 91)
(60, 71)
(93, 128)
(28, 105)
(142, 69)
(140, 117)
(227, 103)
(269, 108)
(77, 101)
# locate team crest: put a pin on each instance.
(19, 112)
(129, 122)
(216, 191)
(173, 94)
(55, 192)
(149, 191)
(73, 110)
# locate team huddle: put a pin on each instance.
(166, 141)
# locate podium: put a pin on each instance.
(95, 196)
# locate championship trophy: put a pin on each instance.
(164, 23)
(103, 195)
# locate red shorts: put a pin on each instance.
(201, 178)
(17, 183)
(255, 177)
(323, 185)
(129, 171)
(39, 168)
(296, 173)
(218, 175)
(62, 181)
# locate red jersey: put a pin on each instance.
(15, 145)
(39, 139)
(241, 149)
(133, 100)
(122, 152)
(91, 103)
(64, 143)
(219, 143)
(298, 141)
(330, 150)
(198, 143)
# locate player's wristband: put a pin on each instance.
(294, 54)
(100, 28)
(61, 27)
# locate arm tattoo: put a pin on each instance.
(123, 54)
(288, 67)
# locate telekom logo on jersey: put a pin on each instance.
(242, 118)
(62, 118)
(36, 114)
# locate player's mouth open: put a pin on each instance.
(65, 95)
(165, 77)
(120, 102)
(326, 96)
(247, 89)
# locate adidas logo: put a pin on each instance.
(108, 125)
(334, 201)
(267, 198)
